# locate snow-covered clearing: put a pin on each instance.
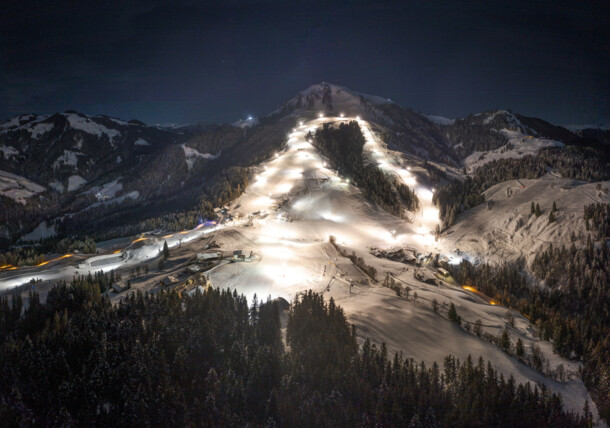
(16, 122)
(89, 126)
(191, 155)
(69, 158)
(141, 142)
(75, 182)
(42, 231)
(57, 186)
(17, 187)
(40, 129)
(8, 151)
(518, 145)
(107, 190)
(508, 230)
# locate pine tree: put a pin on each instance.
(538, 212)
(533, 208)
(551, 217)
(505, 341)
(519, 350)
(165, 250)
(554, 207)
(453, 315)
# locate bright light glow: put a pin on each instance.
(330, 216)
(283, 188)
(277, 251)
(425, 194)
(262, 202)
(357, 117)
(249, 117)
(320, 115)
(424, 239)
(409, 181)
(423, 230)
(295, 173)
(342, 115)
(430, 213)
(301, 123)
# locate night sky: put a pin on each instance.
(218, 61)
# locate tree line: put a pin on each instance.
(572, 308)
(212, 360)
(579, 163)
(343, 145)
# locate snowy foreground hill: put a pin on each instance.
(303, 220)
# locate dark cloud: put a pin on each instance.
(219, 60)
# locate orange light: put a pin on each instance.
(184, 232)
(138, 240)
(469, 288)
(43, 263)
(492, 302)
(167, 236)
(117, 251)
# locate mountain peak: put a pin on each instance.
(330, 97)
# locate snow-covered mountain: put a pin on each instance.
(52, 163)
(65, 151)
(509, 186)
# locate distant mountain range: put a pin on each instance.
(53, 166)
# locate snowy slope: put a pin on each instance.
(295, 202)
(295, 255)
(508, 230)
(191, 155)
(519, 145)
(18, 188)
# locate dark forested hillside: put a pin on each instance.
(342, 145)
(210, 360)
(572, 308)
(162, 179)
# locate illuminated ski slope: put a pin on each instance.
(295, 256)
(286, 216)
